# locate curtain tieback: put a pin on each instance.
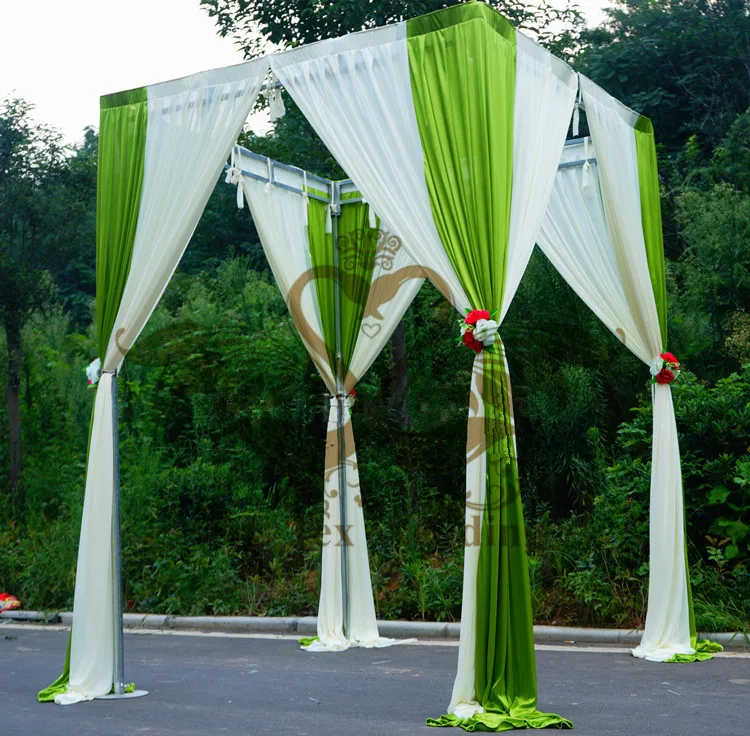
(329, 218)
(334, 399)
(234, 176)
(94, 371)
(664, 369)
(272, 93)
(586, 173)
(479, 330)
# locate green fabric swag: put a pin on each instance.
(122, 153)
(121, 158)
(462, 69)
(648, 181)
(357, 245)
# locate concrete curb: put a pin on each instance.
(307, 626)
(36, 617)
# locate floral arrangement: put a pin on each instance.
(479, 330)
(665, 369)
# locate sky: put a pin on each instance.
(62, 55)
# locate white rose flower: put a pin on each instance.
(485, 331)
(657, 365)
(94, 371)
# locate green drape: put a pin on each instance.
(648, 180)
(122, 148)
(357, 244)
(462, 69)
(464, 106)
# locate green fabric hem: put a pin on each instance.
(60, 685)
(447, 17)
(128, 97)
(305, 641)
(492, 721)
(706, 645)
(704, 648)
(686, 658)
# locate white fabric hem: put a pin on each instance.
(341, 645)
(466, 710)
(662, 654)
(71, 697)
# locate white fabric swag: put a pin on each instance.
(592, 234)
(195, 119)
(356, 93)
(280, 218)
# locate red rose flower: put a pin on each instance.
(471, 342)
(474, 316)
(664, 376)
(670, 358)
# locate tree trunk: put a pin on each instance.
(13, 336)
(399, 376)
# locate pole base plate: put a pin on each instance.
(122, 696)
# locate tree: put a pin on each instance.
(254, 24)
(683, 63)
(37, 212)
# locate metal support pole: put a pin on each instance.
(340, 409)
(118, 668)
(119, 662)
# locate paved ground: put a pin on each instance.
(209, 686)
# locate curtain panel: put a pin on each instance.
(602, 232)
(452, 126)
(378, 281)
(147, 209)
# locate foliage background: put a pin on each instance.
(223, 416)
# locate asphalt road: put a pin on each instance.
(209, 686)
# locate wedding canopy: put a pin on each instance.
(452, 127)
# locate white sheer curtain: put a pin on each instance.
(280, 219)
(592, 234)
(356, 92)
(192, 124)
